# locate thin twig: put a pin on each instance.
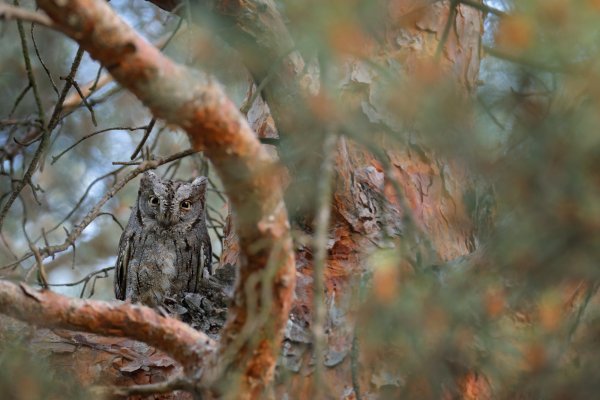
(354, 353)
(84, 279)
(116, 128)
(483, 7)
(41, 60)
(7, 245)
(82, 198)
(18, 122)
(18, 100)
(42, 276)
(29, 68)
(447, 27)
(494, 52)
(126, 163)
(96, 210)
(256, 300)
(93, 289)
(103, 79)
(8, 12)
(28, 143)
(83, 99)
(37, 157)
(324, 192)
(113, 218)
(143, 141)
(591, 291)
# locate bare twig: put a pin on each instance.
(527, 62)
(83, 98)
(323, 207)
(18, 99)
(85, 280)
(449, 23)
(41, 60)
(9, 12)
(82, 198)
(29, 69)
(354, 354)
(7, 245)
(102, 79)
(483, 7)
(42, 276)
(74, 100)
(113, 218)
(37, 157)
(126, 163)
(117, 128)
(148, 129)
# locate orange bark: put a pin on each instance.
(50, 310)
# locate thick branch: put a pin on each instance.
(257, 31)
(50, 310)
(198, 105)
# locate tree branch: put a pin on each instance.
(50, 310)
(257, 31)
(251, 177)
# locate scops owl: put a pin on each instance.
(165, 249)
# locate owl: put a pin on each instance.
(165, 250)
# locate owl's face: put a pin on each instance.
(171, 204)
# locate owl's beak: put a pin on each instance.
(165, 219)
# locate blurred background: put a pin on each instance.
(464, 243)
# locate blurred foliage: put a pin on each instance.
(527, 317)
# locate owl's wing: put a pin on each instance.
(207, 255)
(122, 266)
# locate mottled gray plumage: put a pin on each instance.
(165, 249)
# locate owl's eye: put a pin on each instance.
(186, 204)
(153, 200)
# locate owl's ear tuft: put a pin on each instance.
(149, 178)
(199, 184)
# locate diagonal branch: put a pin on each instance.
(251, 177)
(257, 31)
